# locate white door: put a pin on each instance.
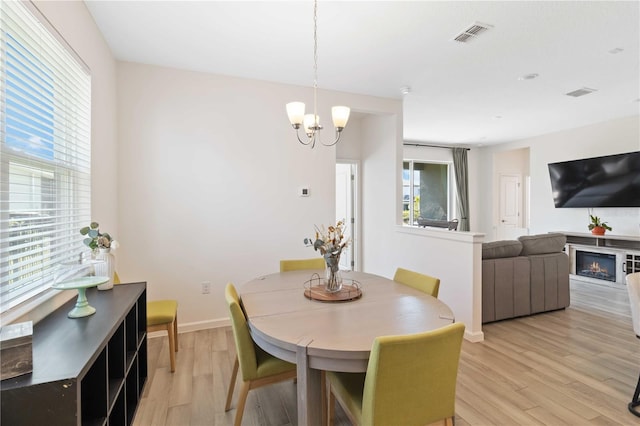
(510, 217)
(345, 211)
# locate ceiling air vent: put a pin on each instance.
(472, 32)
(581, 92)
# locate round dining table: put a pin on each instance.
(332, 336)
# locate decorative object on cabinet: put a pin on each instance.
(16, 349)
(82, 307)
(597, 227)
(96, 239)
(106, 267)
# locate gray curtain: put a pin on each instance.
(462, 186)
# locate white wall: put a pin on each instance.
(351, 150)
(454, 257)
(611, 137)
(209, 171)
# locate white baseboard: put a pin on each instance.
(474, 337)
(195, 326)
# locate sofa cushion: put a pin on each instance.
(543, 243)
(549, 282)
(500, 249)
(506, 292)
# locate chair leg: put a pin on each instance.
(172, 346)
(331, 405)
(232, 384)
(635, 402)
(175, 331)
(242, 399)
(324, 397)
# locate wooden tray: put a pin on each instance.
(347, 293)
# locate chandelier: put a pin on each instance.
(311, 122)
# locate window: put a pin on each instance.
(426, 191)
(45, 172)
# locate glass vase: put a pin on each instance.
(333, 278)
(106, 267)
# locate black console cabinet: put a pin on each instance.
(86, 371)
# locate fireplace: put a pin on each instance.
(600, 266)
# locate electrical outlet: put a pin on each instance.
(206, 287)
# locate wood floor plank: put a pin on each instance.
(181, 390)
(577, 366)
(202, 353)
(604, 421)
(557, 395)
(496, 392)
(495, 406)
(152, 411)
(179, 415)
(544, 416)
(202, 409)
(273, 406)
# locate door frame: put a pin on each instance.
(355, 225)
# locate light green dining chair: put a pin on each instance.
(299, 264)
(422, 282)
(410, 380)
(257, 367)
(162, 315)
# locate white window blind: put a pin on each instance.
(45, 154)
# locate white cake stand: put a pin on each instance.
(82, 308)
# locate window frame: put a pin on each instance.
(450, 190)
(23, 29)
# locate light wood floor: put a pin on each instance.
(577, 366)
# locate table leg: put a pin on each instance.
(309, 388)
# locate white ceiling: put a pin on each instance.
(460, 93)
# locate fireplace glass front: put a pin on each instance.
(596, 265)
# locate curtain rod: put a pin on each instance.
(432, 146)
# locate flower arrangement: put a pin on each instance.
(330, 243)
(95, 239)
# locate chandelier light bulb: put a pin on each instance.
(340, 115)
(295, 111)
(311, 124)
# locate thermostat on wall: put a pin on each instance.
(305, 191)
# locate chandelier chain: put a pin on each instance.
(315, 61)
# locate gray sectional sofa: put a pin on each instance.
(525, 276)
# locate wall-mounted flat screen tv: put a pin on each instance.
(610, 181)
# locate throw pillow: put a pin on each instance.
(543, 243)
(500, 249)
